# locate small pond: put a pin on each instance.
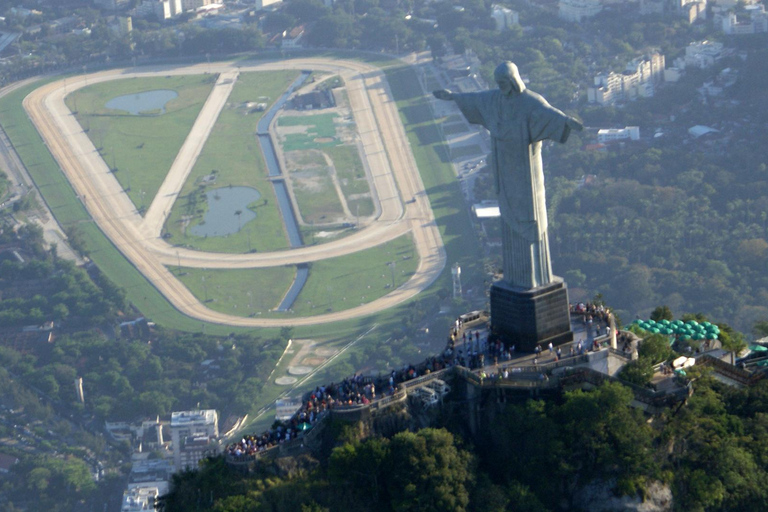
(147, 101)
(223, 203)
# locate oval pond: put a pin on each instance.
(223, 203)
(146, 101)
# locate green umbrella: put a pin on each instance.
(706, 324)
(655, 330)
(665, 322)
(686, 337)
(678, 322)
(698, 336)
(304, 426)
(692, 322)
(758, 348)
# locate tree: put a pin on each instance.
(605, 435)
(337, 30)
(761, 328)
(637, 372)
(38, 479)
(428, 472)
(278, 21)
(360, 468)
(436, 43)
(662, 313)
(306, 10)
(655, 348)
(731, 340)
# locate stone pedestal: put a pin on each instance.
(532, 317)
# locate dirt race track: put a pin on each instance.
(404, 204)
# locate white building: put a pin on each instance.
(576, 10)
(140, 499)
(191, 5)
(111, 5)
(292, 38)
(701, 130)
(694, 10)
(701, 54)
(148, 479)
(757, 22)
(188, 430)
(618, 134)
(638, 80)
(162, 9)
(504, 17)
(261, 4)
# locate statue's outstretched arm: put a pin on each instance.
(574, 124)
(443, 94)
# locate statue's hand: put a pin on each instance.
(443, 94)
(574, 124)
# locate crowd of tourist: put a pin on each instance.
(353, 391)
(467, 347)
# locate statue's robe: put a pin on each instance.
(517, 124)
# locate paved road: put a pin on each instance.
(385, 146)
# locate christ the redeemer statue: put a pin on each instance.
(518, 120)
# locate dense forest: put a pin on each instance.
(535, 456)
(59, 322)
(673, 220)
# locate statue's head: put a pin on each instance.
(508, 78)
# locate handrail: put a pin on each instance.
(526, 377)
(738, 374)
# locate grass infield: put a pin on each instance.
(140, 148)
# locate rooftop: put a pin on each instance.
(184, 418)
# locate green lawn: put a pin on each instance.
(465, 151)
(240, 292)
(348, 281)
(437, 174)
(431, 157)
(333, 285)
(316, 197)
(68, 210)
(319, 126)
(54, 187)
(306, 157)
(140, 147)
(351, 174)
(452, 129)
(233, 151)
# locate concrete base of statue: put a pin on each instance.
(527, 318)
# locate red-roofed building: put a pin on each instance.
(292, 38)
